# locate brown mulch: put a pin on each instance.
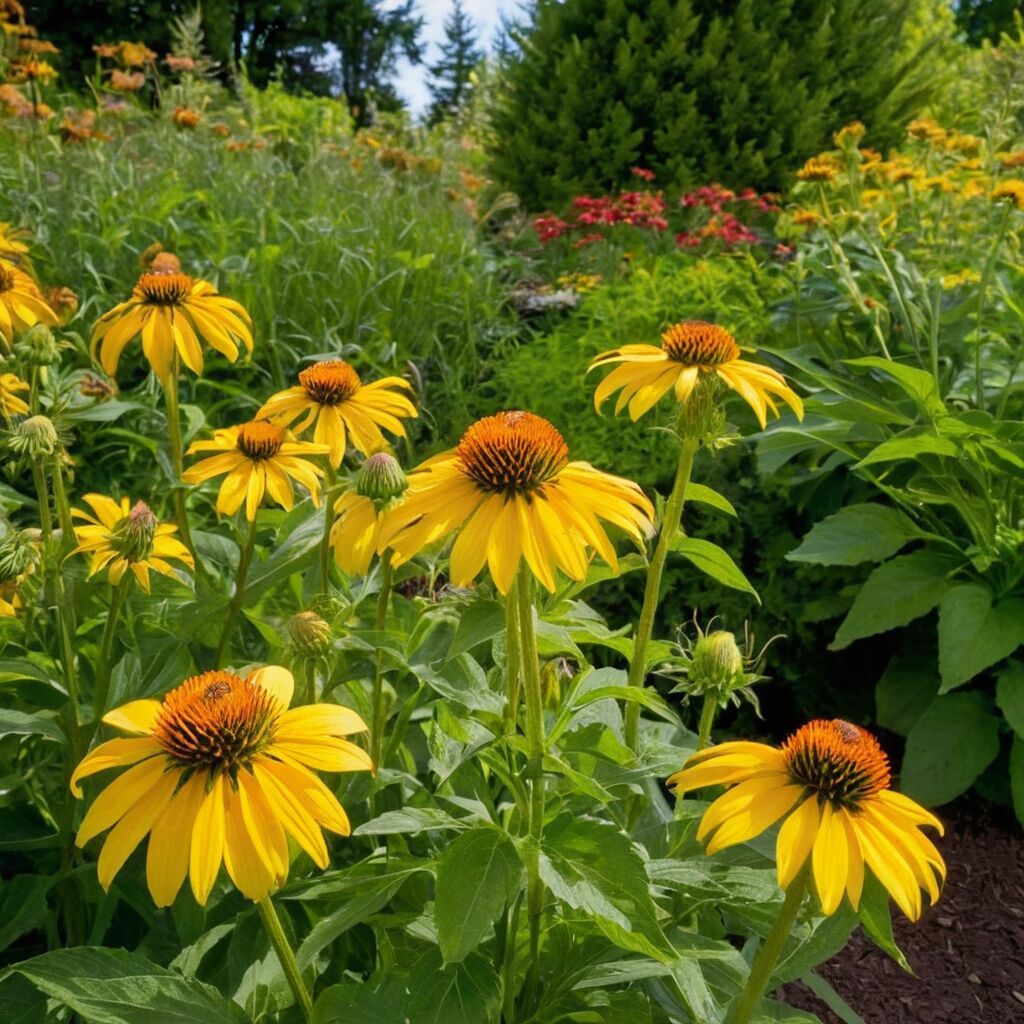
(967, 952)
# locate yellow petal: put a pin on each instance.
(277, 681)
(207, 846)
(753, 820)
(170, 841)
(796, 840)
(138, 716)
(112, 754)
(119, 797)
(831, 859)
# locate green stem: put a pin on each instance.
(513, 661)
(43, 497)
(177, 460)
(707, 720)
(768, 955)
(325, 541)
(535, 769)
(236, 599)
(645, 626)
(99, 700)
(508, 964)
(383, 601)
(60, 501)
(979, 388)
(290, 966)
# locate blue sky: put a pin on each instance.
(486, 14)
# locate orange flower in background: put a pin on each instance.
(220, 771)
(1011, 189)
(178, 65)
(124, 81)
(107, 51)
(37, 46)
(186, 117)
(32, 71)
(135, 55)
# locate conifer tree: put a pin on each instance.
(449, 77)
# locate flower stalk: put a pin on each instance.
(383, 603)
(170, 386)
(102, 691)
(235, 605)
(513, 660)
(286, 956)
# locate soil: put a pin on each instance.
(967, 952)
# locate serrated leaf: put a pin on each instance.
(714, 562)
(974, 633)
(408, 821)
(950, 745)
(477, 875)
(855, 534)
(897, 592)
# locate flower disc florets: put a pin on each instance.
(840, 761)
(330, 382)
(698, 343)
(512, 452)
(6, 278)
(132, 536)
(164, 289)
(259, 439)
(216, 720)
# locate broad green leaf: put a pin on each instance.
(714, 562)
(950, 745)
(911, 446)
(897, 592)
(39, 724)
(904, 692)
(918, 384)
(479, 621)
(592, 866)
(110, 986)
(1010, 695)
(294, 554)
(855, 534)
(974, 633)
(1017, 777)
(705, 495)
(876, 919)
(477, 875)
(22, 906)
(814, 943)
(408, 821)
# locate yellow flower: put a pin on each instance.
(1012, 189)
(21, 303)
(806, 218)
(819, 168)
(924, 129)
(334, 398)
(689, 349)
(510, 492)
(830, 781)
(951, 281)
(220, 770)
(1013, 158)
(172, 311)
(258, 458)
(10, 403)
(33, 70)
(10, 599)
(136, 54)
(11, 244)
(124, 537)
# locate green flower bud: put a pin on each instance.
(380, 478)
(717, 662)
(309, 635)
(38, 347)
(132, 536)
(35, 437)
(19, 555)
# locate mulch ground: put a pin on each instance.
(967, 952)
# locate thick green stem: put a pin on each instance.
(513, 660)
(535, 769)
(768, 955)
(707, 720)
(383, 602)
(509, 989)
(177, 459)
(325, 541)
(645, 626)
(102, 691)
(244, 560)
(290, 966)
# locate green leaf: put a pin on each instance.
(876, 918)
(22, 906)
(110, 986)
(1017, 777)
(408, 821)
(40, 724)
(918, 384)
(479, 621)
(592, 866)
(855, 534)
(897, 592)
(974, 633)
(292, 555)
(909, 446)
(950, 745)
(903, 693)
(1010, 695)
(705, 495)
(714, 562)
(477, 875)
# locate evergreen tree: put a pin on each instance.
(449, 77)
(986, 19)
(736, 91)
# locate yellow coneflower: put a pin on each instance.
(819, 168)
(358, 513)
(830, 781)
(172, 311)
(220, 771)
(1012, 189)
(689, 349)
(259, 458)
(12, 248)
(119, 536)
(10, 403)
(510, 492)
(21, 303)
(333, 397)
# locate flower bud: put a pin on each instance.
(35, 437)
(132, 536)
(380, 478)
(38, 347)
(309, 635)
(19, 555)
(717, 662)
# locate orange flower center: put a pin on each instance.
(260, 439)
(841, 762)
(6, 279)
(330, 382)
(697, 343)
(216, 720)
(512, 452)
(163, 289)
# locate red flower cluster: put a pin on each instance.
(549, 227)
(643, 173)
(638, 209)
(715, 197)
